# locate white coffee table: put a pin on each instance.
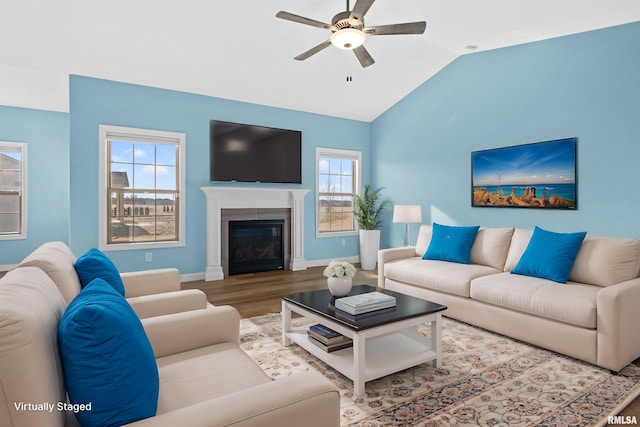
(383, 343)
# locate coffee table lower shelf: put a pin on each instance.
(385, 354)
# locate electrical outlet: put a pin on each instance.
(344, 242)
(148, 257)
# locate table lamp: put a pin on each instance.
(407, 214)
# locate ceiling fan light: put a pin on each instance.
(348, 38)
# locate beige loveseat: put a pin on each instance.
(593, 317)
(205, 377)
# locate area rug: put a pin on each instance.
(485, 380)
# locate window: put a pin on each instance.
(142, 182)
(338, 177)
(13, 190)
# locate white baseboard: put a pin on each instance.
(324, 262)
(192, 277)
(7, 267)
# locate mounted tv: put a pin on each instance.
(247, 153)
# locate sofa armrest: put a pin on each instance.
(168, 303)
(618, 319)
(391, 254)
(305, 399)
(179, 332)
(148, 282)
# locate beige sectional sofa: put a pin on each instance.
(205, 379)
(593, 317)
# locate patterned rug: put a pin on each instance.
(485, 380)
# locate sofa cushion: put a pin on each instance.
(186, 378)
(550, 255)
(424, 239)
(519, 241)
(605, 261)
(443, 276)
(451, 243)
(491, 247)
(95, 264)
(56, 259)
(107, 357)
(30, 367)
(573, 303)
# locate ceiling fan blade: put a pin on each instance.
(360, 9)
(407, 28)
(363, 56)
(302, 20)
(313, 50)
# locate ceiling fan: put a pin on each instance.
(349, 32)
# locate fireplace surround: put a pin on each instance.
(220, 199)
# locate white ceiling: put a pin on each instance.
(238, 49)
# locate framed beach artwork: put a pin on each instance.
(541, 175)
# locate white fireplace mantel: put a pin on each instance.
(219, 198)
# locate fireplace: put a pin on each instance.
(256, 246)
(225, 199)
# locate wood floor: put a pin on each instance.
(261, 293)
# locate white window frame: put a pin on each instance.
(342, 154)
(22, 148)
(139, 135)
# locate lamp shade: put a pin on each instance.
(407, 214)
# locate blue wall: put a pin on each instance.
(47, 136)
(94, 102)
(584, 85)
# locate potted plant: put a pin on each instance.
(368, 211)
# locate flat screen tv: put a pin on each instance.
(248, 153)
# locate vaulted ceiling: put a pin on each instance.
(239, 50)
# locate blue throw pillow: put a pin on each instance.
(95, 264)
(550, 255)
(107, 358)
(450, 243)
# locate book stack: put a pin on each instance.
(328, 339)
(365, 303)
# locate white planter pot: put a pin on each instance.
(339, 286)
(369, 245)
